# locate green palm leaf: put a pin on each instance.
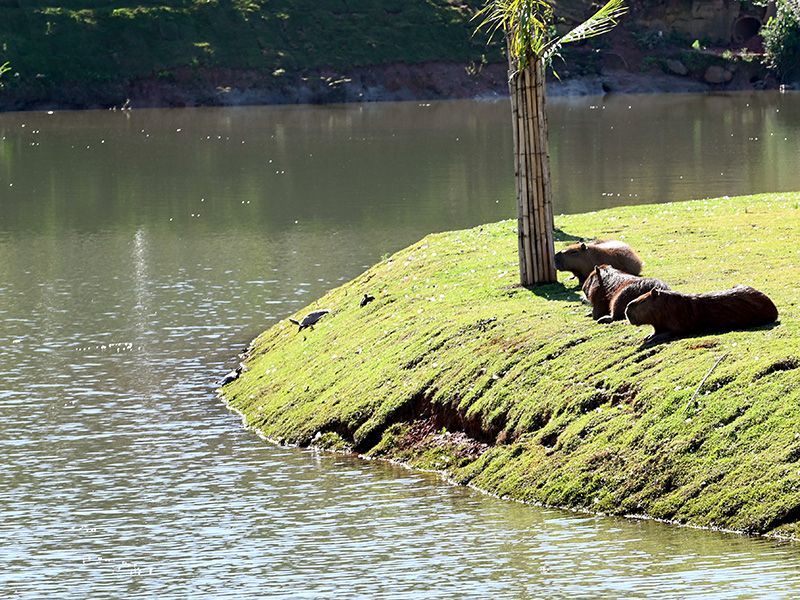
(527, 26)
(603, 21)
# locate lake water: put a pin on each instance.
(139, 251)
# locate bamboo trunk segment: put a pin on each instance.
(532, 174)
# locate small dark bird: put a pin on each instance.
(366, 300)
(310, 319)
(231, 376)
(484, 323)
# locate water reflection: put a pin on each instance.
(140, 251)
(681, 147)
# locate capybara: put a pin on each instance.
(581, 258)
(609, 290)
(675, 314)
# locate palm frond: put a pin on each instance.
(525, 23)
(795, 6)
(603, 21)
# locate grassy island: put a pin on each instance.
(454, 367)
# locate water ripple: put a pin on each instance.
(122, 474)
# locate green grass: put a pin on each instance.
(518, 392)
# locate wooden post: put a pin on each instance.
(532, 173)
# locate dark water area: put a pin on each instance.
(140, 251)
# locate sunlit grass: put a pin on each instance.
(581, 415)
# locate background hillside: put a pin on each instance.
(100, 53)
(97, 40)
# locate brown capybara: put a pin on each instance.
(673, 314)
(581, 258)
(609, 290)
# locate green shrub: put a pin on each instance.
(4, 67)
(649, 39)
(782, 41)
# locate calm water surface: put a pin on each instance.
(140, 251)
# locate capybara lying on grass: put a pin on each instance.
(581, 258)
(609, 291)
(675, 314)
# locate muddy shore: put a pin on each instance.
(397, 82)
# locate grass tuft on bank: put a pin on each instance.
(455, 367)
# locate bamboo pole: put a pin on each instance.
(522, 180)
(518, 175)
(532, 173)
(537, 170)
(521, 172)
(545, 230)
(549, 226)
(514, 116)
(515, 132)
(526, 151)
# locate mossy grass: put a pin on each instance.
(518, 392)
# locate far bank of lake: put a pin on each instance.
(380, 83)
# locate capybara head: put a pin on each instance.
(581, 258)
(645, 309)
(594, 281)
(573, 257)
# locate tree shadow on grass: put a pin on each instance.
(558, 291)
(554, 291)
(563, 236)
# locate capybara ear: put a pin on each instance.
(597, 271)
(583, 246)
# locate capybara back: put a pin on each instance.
(581, 258)
(673, 313)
